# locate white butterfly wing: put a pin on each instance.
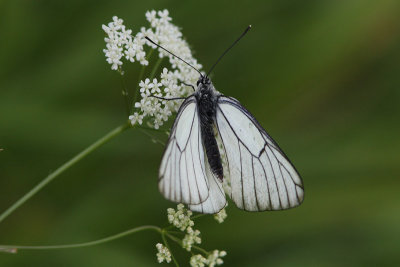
(182, 174)
(216, 200)
(261, 176)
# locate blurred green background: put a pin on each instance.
(321, 76)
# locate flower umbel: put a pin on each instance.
(215, 258)
(163, 253)
(151, 106)
(180, 217)
(120, 44)
(198, 261)
(192, 237)
(170, 84)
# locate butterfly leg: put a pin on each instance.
(189, 85)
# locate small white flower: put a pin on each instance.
(145, 85)
(180, 217)
(151, 17)
(220, 216)
(164, 16)
(214, 258)
(163, 253)
(198, 261)
(117, 22)
(136, 118)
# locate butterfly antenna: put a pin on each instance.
(229, 48)
(151, 41)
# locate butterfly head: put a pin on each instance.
(205, 86)
(203, 80)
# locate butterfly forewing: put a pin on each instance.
(182, 174)
(261, 176)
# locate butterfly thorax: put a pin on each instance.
(207, 98)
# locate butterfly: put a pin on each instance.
(216, 147)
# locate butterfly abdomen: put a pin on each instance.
(213, 155)
(206, 104)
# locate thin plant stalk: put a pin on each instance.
(163, 233)
(82, 154)
(178, 241)
(64, 167)
(125, 94)
(155, 68)
(13, 249)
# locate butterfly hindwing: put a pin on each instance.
(216, 200)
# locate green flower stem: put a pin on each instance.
(151, 129)
(125, 94)
(153, 138)
(155, 68)
(206, 253)
(136, 94)
(177, 240)
(13, 249)
(64, 167)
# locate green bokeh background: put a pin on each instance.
(321, 76)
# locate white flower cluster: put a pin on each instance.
(166, 34)
(220, 216)
(191, 237)
(198, 261)
(151, 106)
(213, 259)
(180, 218)
(120, 43)
(163, 32)
(163, 253)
